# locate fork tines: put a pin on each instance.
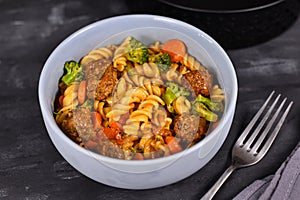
(258, 143)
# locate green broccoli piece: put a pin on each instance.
(173, 91)
(163, 61)
(137, 52)
(177, 90)
(200, 108)
(213, 106)
(169, 96)
(73, 72)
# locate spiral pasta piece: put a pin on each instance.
(129, 141)
(103, 52)
(155, 47)
(120, 63)
(152, 86)
(150, 70)
(69, 102)
(173, 75)
(181, 105)
(123, 104)
(217, 94)
(153, 144)
(191, 63)
(159, 144)
(145, 113)
(70, 95)
(121, 50)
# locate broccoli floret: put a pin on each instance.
(163, 61)
(177, 90)
(213, 106)
(73, 72)
(137, 52)
(200, 108)
(169, 96)
(173, 91)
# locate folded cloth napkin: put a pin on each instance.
(284, 185)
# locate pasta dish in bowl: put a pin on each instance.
(138, 100)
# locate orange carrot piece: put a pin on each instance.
(90, 144)
(97, 120)
(138, 156)
(61, 99)
(81, 92)
(173, 144)
(115, 125)
(175, 48)
(110, 133)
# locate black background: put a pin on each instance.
(31, 167)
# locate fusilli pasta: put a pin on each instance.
(103, 52)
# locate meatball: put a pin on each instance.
(96, 68)
(107, 83)
(101, 79)
(200, 81)
(83, 123)
(108, 148)
(67, 125)
(186, 127)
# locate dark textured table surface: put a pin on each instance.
(30, 166)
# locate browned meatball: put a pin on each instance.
(83, 123)
(96, 68)
(200, 80)
(186, 127)
(107, 84)
(106, 147)
(101, 79)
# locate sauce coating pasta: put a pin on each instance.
(132, 101)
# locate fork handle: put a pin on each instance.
(213, 190)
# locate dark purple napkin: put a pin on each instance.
(284, 185)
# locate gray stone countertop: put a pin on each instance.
(31, 167)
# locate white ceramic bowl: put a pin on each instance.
(132, 174)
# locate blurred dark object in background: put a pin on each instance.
(233, 24)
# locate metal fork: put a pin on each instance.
(251, 146)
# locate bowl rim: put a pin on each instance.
(223, 11)
(49, 119)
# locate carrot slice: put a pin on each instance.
(60, 100)
(97, 120)
(115, 125)
(81, 92)
(110, 133)
(90, 144)
(138, 156)
(175, 48)
(173, 144)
